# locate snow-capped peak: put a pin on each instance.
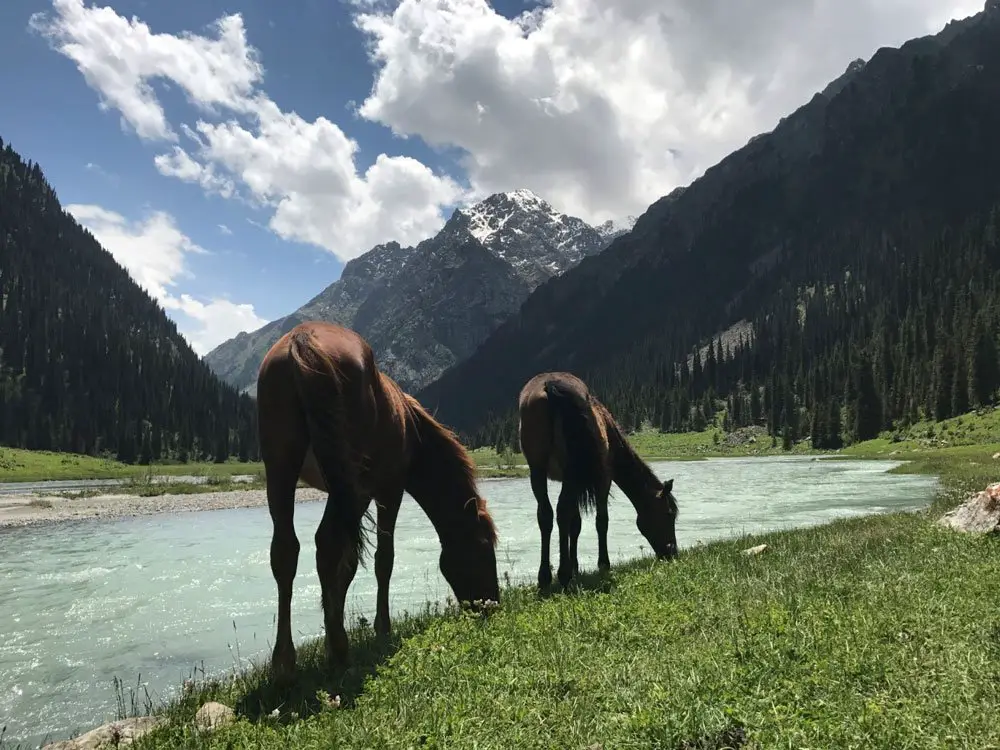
(526, 199)
(492, 214)
(524, 230)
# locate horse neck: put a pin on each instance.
(442, 479)
(629, 471)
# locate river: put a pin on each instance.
(151, 598)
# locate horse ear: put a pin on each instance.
(668, 486)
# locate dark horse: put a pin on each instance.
(327, 415)
(567, 435)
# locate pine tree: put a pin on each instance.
(867, 406)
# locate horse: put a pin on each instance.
(328, 416)
(567, 435)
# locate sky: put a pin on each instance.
(233, 156)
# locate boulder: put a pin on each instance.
(979, 514)
(113, 734)
(213, 715)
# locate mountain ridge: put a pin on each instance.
(454, 294)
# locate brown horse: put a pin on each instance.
(567, 435)
(327, 415)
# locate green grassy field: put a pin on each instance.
(18, 465)
(881, 632)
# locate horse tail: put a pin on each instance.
(322, 397)
(584, 470)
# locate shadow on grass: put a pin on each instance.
(314, 682)
(604, 582)
(596, 581)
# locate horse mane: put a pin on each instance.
(630, 472)
(451, 460)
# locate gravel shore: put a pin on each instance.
(27, 509)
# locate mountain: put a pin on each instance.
(237, 360)
(851, 253)
(89, 363)
(427, 307)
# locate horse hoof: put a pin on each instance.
(544, 578)
(565, 578)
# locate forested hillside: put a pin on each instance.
(858, 241)
(89, 363)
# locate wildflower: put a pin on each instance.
(275, 713)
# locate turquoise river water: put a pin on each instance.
(148, 599)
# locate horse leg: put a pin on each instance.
(336, 564)
(568, 518)
(281, 481)
(540, 488)
(575, 526)
(603, 560)
(385, 553)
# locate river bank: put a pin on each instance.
(26, 509)
(33, 507)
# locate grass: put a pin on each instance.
(144, 486)
(880, 632)
(18, 465)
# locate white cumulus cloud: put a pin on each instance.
(154, 252)
(304, 172)
(119, 57)
(602, 107)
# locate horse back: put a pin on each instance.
(540, 434)
(375, 439)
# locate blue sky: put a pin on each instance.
(233, 169)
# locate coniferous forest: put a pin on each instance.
(906, 332)
(89, 363)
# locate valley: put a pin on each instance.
(805, 337)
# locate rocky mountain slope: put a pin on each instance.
(895, 155)
(427, 307)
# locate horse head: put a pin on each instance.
(656, 519)
(469, 564)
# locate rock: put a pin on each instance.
(755, 550)
(114, 734)
(979, 514)
(213, 715)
